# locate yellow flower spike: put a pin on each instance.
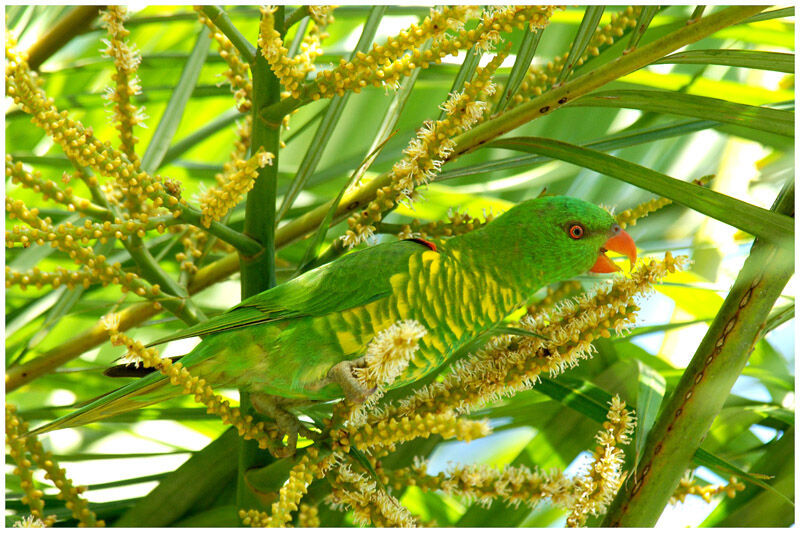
(17, 451)
(631, 216)
(513, 485)
(445, 424)
(290, 494)
(537, 80)
(360, 72)
(238, 71)
(594, 490)
(217, 201)
(389, 353)
(308, 516)
(291, 72)
(427, 152)
(68, 238)
(15, 428)
(688, 485)
(180, 376)
(77, 141)
(457, 224)
(48, 189)
(370, 504)
(126, 60)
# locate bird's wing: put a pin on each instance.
(351, 281)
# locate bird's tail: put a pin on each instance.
(146, 391)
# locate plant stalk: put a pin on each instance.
(707, 381)
(258, 271)
(76, 22)
(222, 21)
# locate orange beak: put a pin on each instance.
(620, 243)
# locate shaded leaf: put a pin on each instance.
(756, 220)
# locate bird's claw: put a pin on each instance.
(342, 374)
(288, 424)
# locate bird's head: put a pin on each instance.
(567, 236)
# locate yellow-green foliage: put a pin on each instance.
(148, 242)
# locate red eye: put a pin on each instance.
(576, 231)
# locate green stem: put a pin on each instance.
(707, 381)
(696, 14)
(293, 17)
(258, 271)
(221, 20)
(298, 37)
(76, 22)
(244, 244)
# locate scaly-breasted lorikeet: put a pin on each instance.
(300, 339)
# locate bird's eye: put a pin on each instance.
(576, 231)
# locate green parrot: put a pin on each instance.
(300, 340)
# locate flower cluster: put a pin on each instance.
(223, 193)
(30, 521)
(198, 387)
(427, 152)
(537, 80)
(290, 71)
(514, 485)
(238, 71)
(77, 141)
(308, 516)
(21, 447)
(585, 494)
(217, 201)
(553, 295)
(290, 494)
(631, 216)
(392, 430)
(689, 485)
(457, 224)
(387, 356)
(311, 45)
(69, 239)
(596, 488)
(389, 353)
(49, 190)
(126, 60)
(370, 504)
(322, 16)
(17, 452)
(388, 63)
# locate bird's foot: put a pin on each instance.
(342, 374)
(287, 422)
